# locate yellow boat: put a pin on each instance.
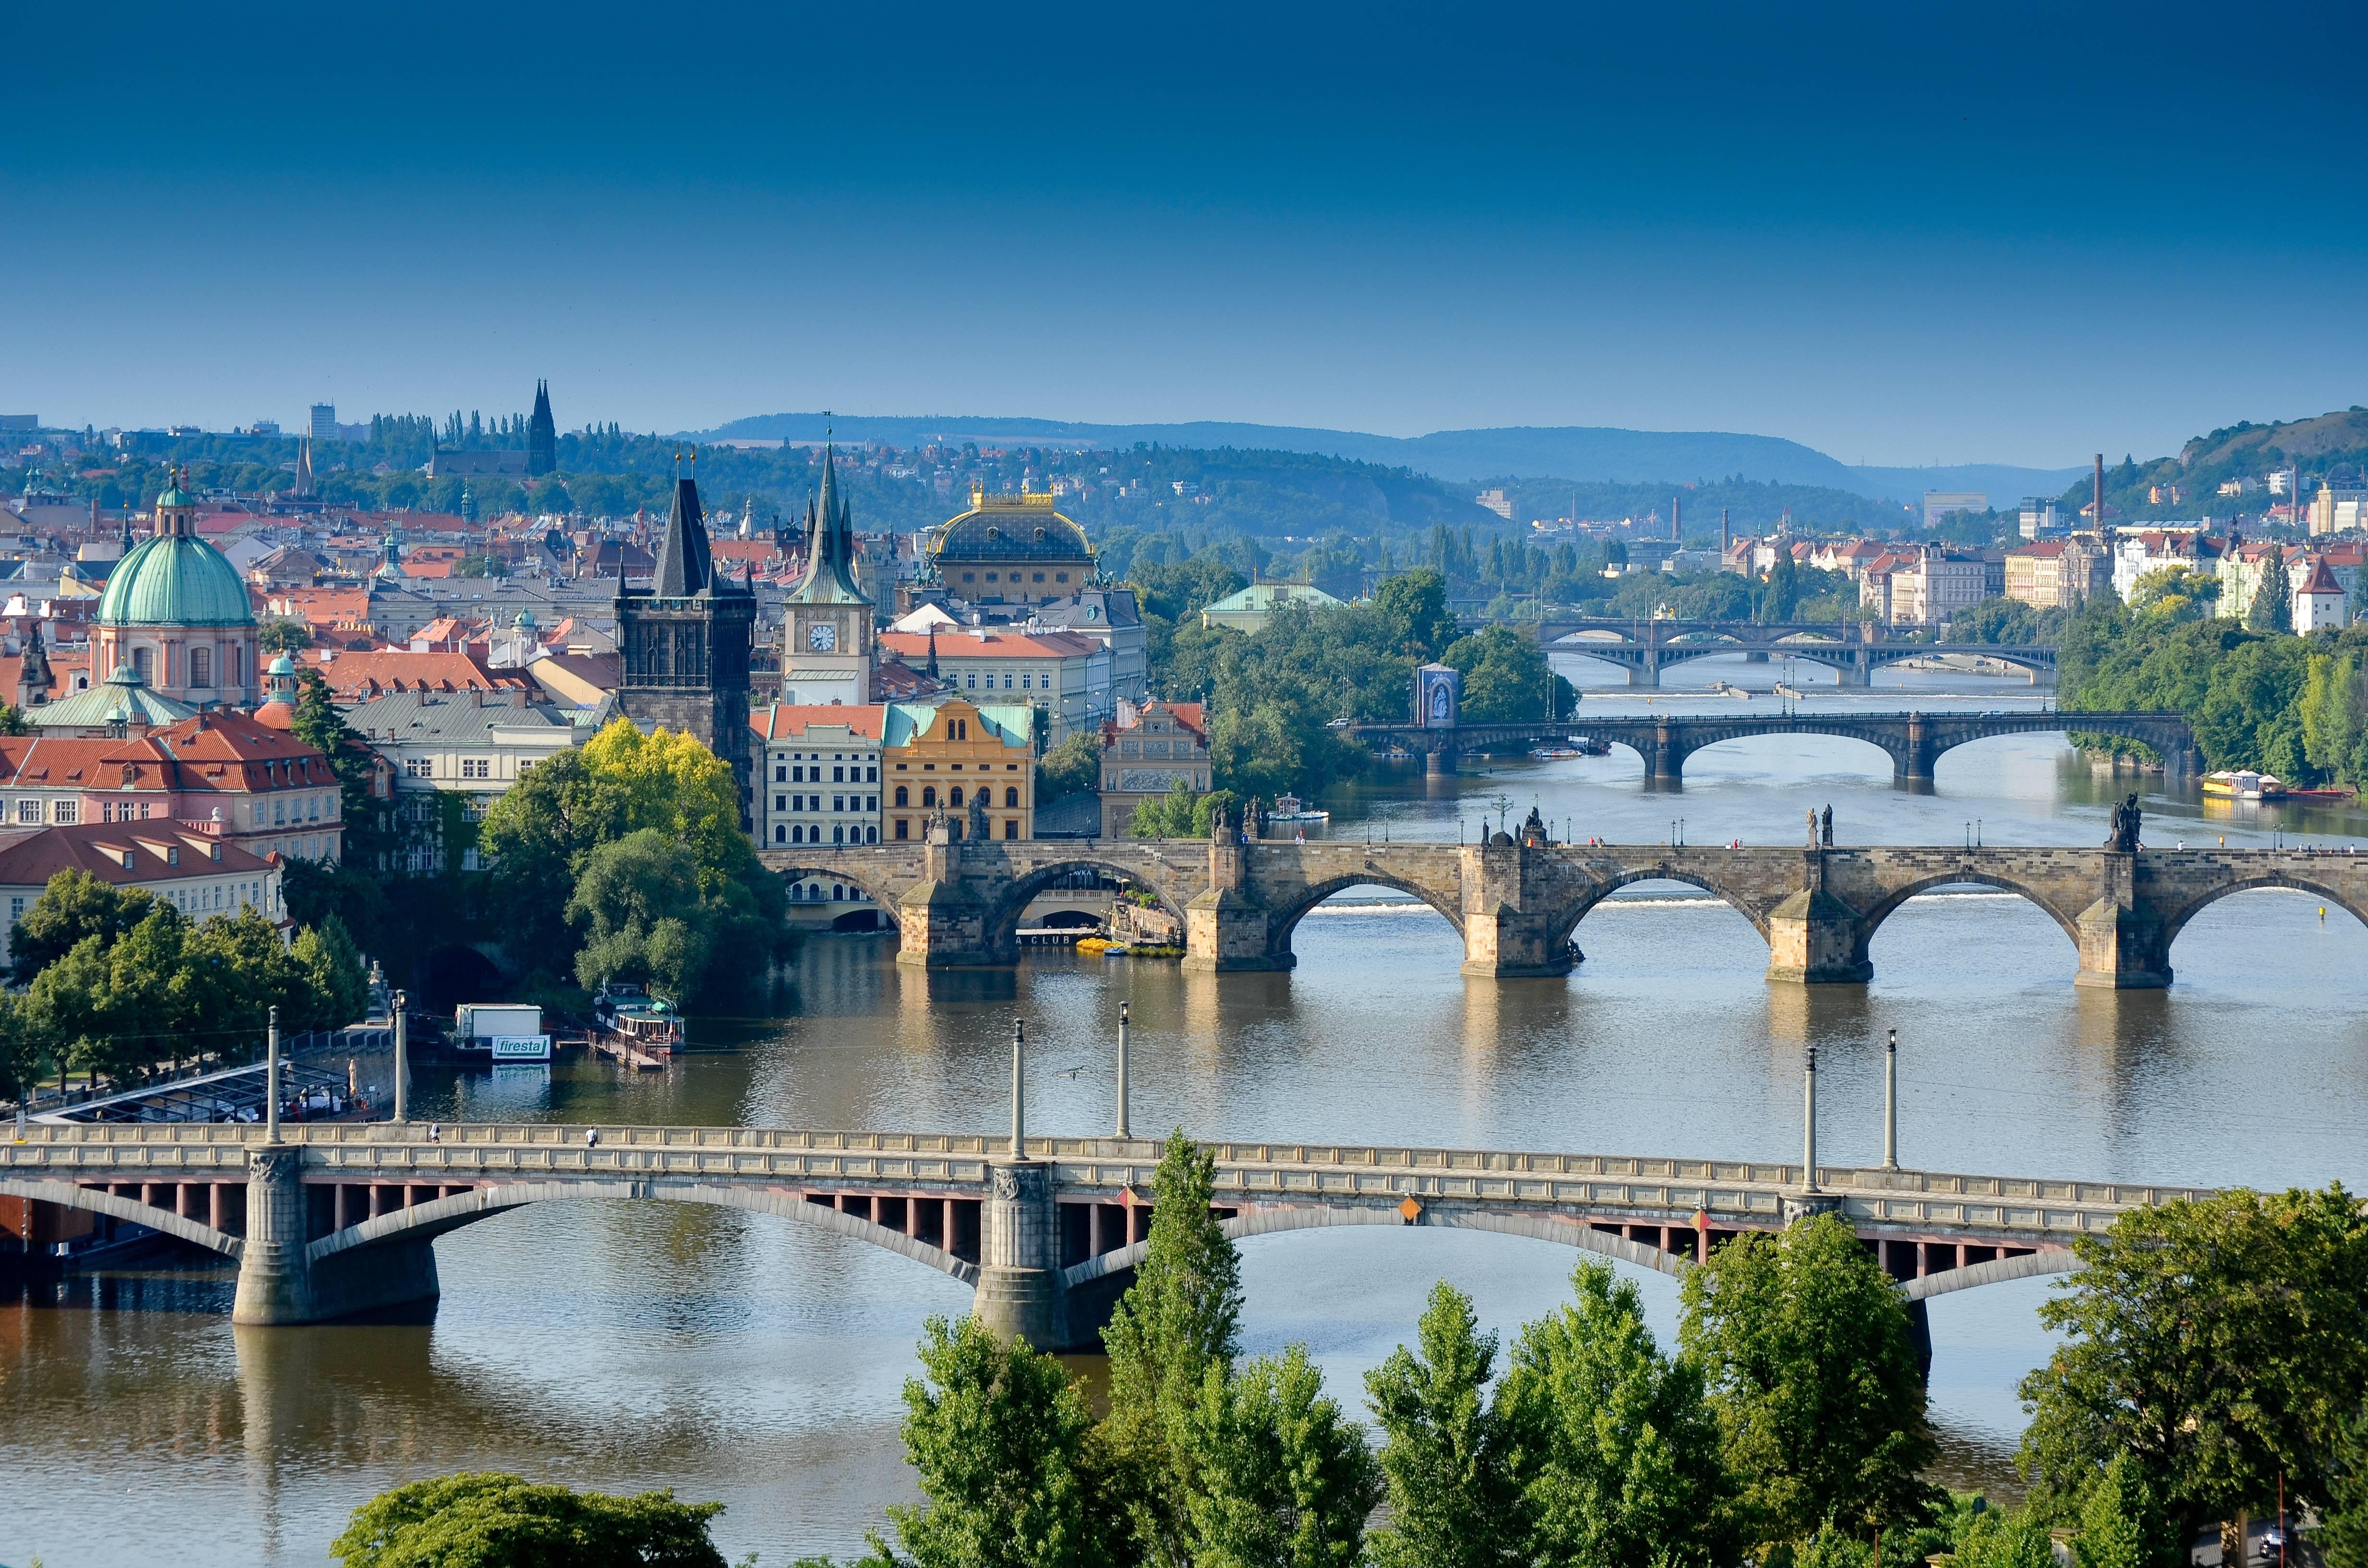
(2244, 784)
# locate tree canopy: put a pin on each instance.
(487, 1519)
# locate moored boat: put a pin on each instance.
(639, 1016)
(2244, 784)
(1288, 808)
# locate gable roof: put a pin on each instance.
(123, 853)
(785, 720)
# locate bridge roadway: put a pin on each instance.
(1913, 741)
(1517, 905)
(340, 1219)
(1646, 648)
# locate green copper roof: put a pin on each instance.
(122, 699)
(176, 497)
(175, 580)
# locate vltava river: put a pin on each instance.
(747, 1358)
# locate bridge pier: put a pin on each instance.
(1020, 1292)
(1224, 932)
(1438, 761)
(941, 923)
(1813, 937)
(1511, 921)
(1856, 676)
(2121, 942)
(279, 1280)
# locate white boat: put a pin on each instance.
(1723, 690)
(638, 1017)
(1287, 808)
(1554, 754)
(2244, 784)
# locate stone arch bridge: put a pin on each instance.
(1517, 904)
(1646, 648)
(336, 1219)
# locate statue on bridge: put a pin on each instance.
(1826, 829)
(2125, 827)
(978, 824)
(1533, 830)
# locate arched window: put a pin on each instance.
(798, 833)
(929, 794)
(871, 835)
(201, 666)
(1011, 797)
(145, 663)
(780, 834)
(814, 892)
(955, 799)
(902, 798)
(837, 893)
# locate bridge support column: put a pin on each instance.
(2122, 946)
(1019, 1288)
(1511, 926)
(1664, 761)
(1224, 932)
(1646, 671)
(280, 1283)
(1911, 766)
(940, 922)
(1813, 937)
(1439, 760)
(1855, 675)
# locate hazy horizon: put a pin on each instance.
(2019, 237)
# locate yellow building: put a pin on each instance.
(973, 763)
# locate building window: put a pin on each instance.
(1006, 682)
(900, 826)
(780, 774)
(902, 796)
(69, 812)
(780, 802)
(419, 767)
(872, 834)
(780, 834)
(1039, 576)
(798, 833)
(839, 836)
(973, 680)
(201, 666)
(872, 776)
(28, 811)
(145, 663)
(476, 768)
(1060, 576)
(870, 803)
(1011, 827)
(928, 796)
(1011, 798)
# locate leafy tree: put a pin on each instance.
(12, 721)
(1999, 1538)
(2219, 1343)
(1073, 767)
(1447, 1452)
(1621, 1456)
(2122, 1522)
(1414, 605)
(2343, 1534)
(319, 725)
(639, 903)
(1178, 1320)
(338, 984)
(1805, 1341)
(1179, 813)
(2272, 607)
(23, 1056)
(1285, 1478)
(2331, 714)
(1506, 678)
(284, 636)
(1782, 595)
(1002, 1447)
(74, 905)
(490, 1520)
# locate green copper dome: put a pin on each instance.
(175, 580)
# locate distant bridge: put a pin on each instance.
(1853, 650)
(1914, 741)
(336, 1219)
(1517, 904)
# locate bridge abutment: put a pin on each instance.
(1020, 1293)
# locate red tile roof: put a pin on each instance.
(122, 853)
(781, 721)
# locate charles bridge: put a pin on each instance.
(1517, 904)
(1913, 740)
(333, 1220)
(1853, 651)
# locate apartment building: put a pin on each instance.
(817, 773)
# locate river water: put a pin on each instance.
(751, 1359)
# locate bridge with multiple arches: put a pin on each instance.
(1853, 651)
(336, 1219)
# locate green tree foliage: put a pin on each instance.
(2331, 714)
(1414, 609)
(284, 636)
(2219, 1343)
(1780, 596)
(1285, 1478)
(490, 1520)
(2272, 607)
(1622, 1458)
(1997, 1538)
(2003, 620)
(1505, 677)
(1805, 1342)
(1179, 813)
(1003, 1447)
(2343, 1534)
(545, 830)
(1447, 1451)
(319, 725)
(339, 983)
(1179, 1320)
(2122, 1524)
(1073, 767)
(74, 905)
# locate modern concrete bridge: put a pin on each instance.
(1853, 650)
(1914, 741)
(1517, 904)
(336, 1219)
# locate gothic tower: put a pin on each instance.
(685, 644)
(826, 627)
(542, 435)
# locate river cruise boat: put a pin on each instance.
(638, 1017)
(1288, 808)
(2244, 784)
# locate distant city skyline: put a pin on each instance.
(1899, 238)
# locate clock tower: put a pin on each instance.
(826, 627)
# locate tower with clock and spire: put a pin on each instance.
(827, 636)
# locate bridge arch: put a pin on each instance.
(1565, 923)
(2176, 921)
(823, 873)
(1997, 1271)
(1003, 919)
(97, 1200)
(1871, 920)
(1806, 725)
(1284, 922)
(425, 1221)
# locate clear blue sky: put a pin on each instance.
(1901, 234)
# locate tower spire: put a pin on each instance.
(684, 565)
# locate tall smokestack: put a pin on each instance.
(1724, 543)
(1677, 534)
(2100, 494)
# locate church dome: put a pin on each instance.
(175, 580)
(1015, 527)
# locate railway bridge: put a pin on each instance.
(1913, 740)
(1517, 904)
(1853, 651)
(334, 1220)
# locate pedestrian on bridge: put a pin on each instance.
(591, 1137)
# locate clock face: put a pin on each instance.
(822, 637)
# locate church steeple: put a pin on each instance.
(542, 435)
(830, 544)
(684, 565)
(685, 644)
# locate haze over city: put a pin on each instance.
(2019, 234)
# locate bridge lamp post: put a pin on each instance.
(1809, 1123)
(402, 1062)
(271, 1079)
(1019, 1089)
(1122, 1070)
(1891, 1102)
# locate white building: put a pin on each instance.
(818, 773)
(1067, 675)
(2319, 602)
(2335, 511)
(1939, 504)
